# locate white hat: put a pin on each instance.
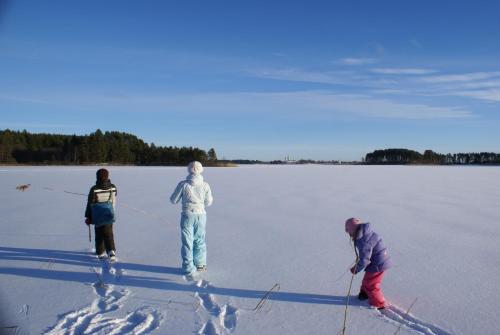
(195, 167)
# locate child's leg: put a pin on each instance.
(99, 240)
(109, 240)
(199, 245)
(371, 286)
(187, 243)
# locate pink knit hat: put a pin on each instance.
(351, 225)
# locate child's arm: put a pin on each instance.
(365, 249)
(208, 196)
(115, 194)
(88, 211)
(176, 196)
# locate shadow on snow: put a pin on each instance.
(83, 259)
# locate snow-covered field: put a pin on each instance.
(268, 225)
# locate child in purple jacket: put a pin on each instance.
(372, 257)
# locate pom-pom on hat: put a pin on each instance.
(351, 225)
(195, 167)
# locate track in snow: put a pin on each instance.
(95, 319)
(218, 319)
(403, 319)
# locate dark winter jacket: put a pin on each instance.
(100, 192)
(372, 253)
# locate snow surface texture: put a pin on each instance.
(269, 225)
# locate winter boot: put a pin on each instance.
(362, 295)
(112, 256)
(101, 256)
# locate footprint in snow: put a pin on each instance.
(219, 319)
(403, 319)
(95, 319)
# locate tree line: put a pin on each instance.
(405, 156)
(112, 147)
(22, 147)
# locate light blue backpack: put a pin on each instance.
(103, 213)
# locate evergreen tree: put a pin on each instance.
(110, 147)
(212, 156)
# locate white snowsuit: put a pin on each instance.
(195, 194)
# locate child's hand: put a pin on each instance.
(88, 221)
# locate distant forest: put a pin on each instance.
(405, 156)
(112, 147)
(22, 147)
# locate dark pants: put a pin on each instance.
(104, 239)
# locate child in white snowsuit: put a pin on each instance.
(195, 194)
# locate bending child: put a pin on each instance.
(372, 257)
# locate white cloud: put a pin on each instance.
(393, 91)
(345, 78)
(492, 95)
(398, 81)
(403, 71)
(22, 99)
(481, 84)
(365, 105)
(357, 61)
(462, 77)
(299, 105)
(293, 74)
(476, 85)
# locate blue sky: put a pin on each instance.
(257, 79)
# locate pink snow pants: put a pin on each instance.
(371, 285)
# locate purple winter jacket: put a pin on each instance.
(372, 253)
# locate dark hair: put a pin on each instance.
(102, 175)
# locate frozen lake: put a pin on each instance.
(268, 225)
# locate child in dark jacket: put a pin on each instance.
(372, 257)
(100, 212)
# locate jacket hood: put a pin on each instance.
(195, 167)
(364, 229)
(351, 225)
(194, 179)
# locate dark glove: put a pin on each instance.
(88, 221)
(353, 269)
